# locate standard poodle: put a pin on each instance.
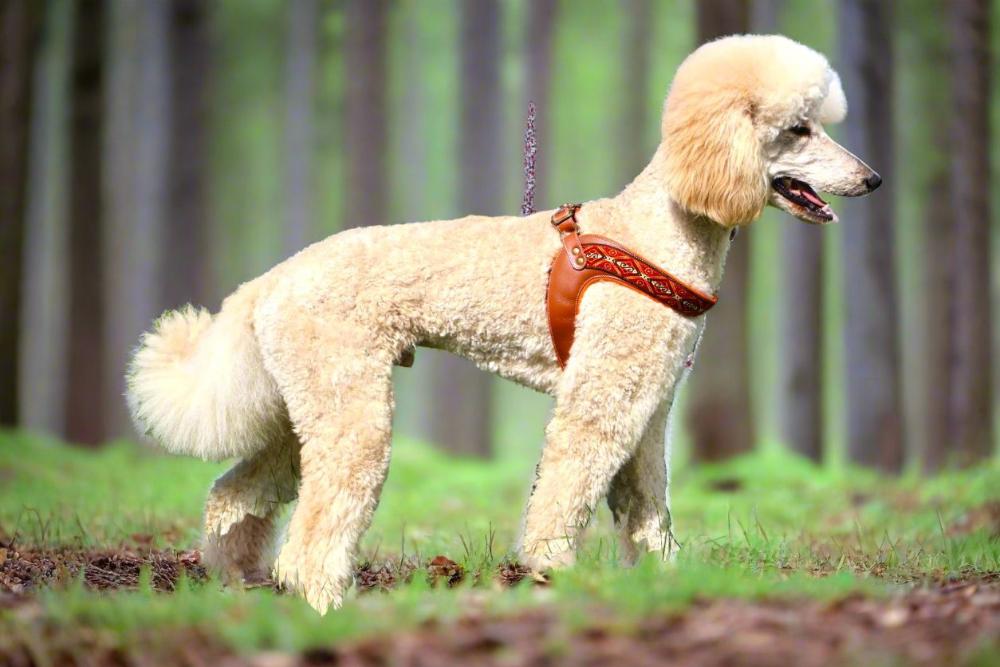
(293, 376)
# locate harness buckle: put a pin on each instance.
(564, 213)
(564, 219)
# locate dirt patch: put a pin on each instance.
(956, 624)
(371, 576)
(948, 622)
(72, 647)
(442, 568)
(512, 573)
(122, 570)
(23, 571)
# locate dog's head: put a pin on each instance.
(743, 128)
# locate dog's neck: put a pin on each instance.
(646, 218)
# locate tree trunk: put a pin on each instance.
(84, 413)
(764, 16)
(719, 416)
(939, 282)
(719, 18)
(414, 149)
(366, 137)
(874, 399)
(539, 46)
(45, 271)
(801, 374)
(186, 247)
(300, 49)
(971, 386)
(634, 149)
(20, 22)
(145, 271)
(802, 349)
(924, 55)
(480, 157)
(463, 398)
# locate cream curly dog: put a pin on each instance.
(292, 377)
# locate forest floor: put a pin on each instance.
(783, 563)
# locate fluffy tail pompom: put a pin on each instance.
(197, 385)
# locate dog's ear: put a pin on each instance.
(715, 165)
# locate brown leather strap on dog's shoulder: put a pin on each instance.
(587, 259)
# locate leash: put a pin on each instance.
(589, 258)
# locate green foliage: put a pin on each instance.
(53, 494)
(763, 526)
(246, 113)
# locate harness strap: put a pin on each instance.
(589, 258)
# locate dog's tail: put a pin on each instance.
(197, 383)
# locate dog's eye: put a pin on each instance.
(800, 130)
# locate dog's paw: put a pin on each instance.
(321, 593)
(660, 543)
(548, 556)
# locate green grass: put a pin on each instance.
(762, 526)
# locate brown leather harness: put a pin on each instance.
(589, 258)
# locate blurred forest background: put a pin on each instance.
(159, 152)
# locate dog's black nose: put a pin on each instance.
(873, 181)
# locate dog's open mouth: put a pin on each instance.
(804, 198)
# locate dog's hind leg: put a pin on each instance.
(638, 495)
(242, 508)
(345, 458)
(336, 378)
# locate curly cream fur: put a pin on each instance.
(312, 342)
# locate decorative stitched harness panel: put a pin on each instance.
(646, 278)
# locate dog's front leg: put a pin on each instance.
(610, 389)
(638, 497)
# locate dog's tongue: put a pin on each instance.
(813, 197)
(807, 192)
